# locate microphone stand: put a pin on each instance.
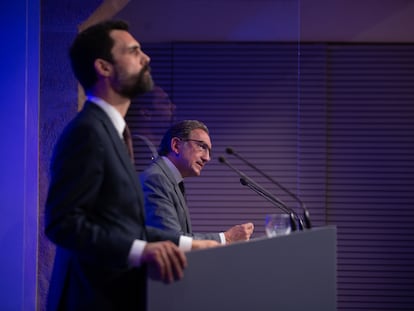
(306, 214)
(246, 181)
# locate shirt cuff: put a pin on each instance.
(185, 243)
(222, 238)
(135, 254)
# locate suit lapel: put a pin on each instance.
(117, 141)
(183, 202)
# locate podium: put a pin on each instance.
(292, 272)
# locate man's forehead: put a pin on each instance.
(200, 134)
(123, 39)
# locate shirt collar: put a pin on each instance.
(113, 114)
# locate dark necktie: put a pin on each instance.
(128, 142)
(187, 221)
(181, 185)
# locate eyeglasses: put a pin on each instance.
(201, 145)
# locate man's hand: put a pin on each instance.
(166, 262)
(239, 233)
(200, 244)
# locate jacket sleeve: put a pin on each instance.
(163, 208)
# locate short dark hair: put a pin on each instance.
(181, 130)
(90, 44)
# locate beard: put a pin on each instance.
(137, 84)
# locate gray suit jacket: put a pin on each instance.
(165, 205)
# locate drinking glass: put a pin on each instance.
(277, 225)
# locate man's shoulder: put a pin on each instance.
(89, 116)
(157, 171)
(153, 168)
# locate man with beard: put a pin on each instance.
(94, 208)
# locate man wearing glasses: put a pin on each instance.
(184, 150)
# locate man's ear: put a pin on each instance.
(175, 145)
(103, 67)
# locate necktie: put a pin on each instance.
(181, 185)
(128, 142)
(186, 221)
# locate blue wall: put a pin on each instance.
(19, 58)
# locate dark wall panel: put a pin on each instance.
(335, 126)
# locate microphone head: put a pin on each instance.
(230, 150)
(221, 159)
(243, 181)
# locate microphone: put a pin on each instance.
(306, 214)
(246, 181)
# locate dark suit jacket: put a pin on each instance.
(165, 205)
(94, 212)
